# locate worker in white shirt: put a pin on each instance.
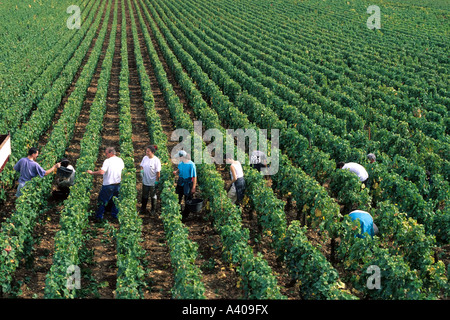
(237, 186)
(112, 176)
(150, 172)
(356, 168)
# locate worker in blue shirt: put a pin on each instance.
(366, 221)
(187, 180)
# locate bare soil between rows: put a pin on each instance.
(220, 278)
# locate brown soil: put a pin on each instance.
(30, 276)
(159, 274)
(220, 279)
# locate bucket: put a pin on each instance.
(194, 205)
(60, 195)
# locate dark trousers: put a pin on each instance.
(61, 194)
(181, 191)
(148, 192)
(258, 166)
(239, 184)
(104, 197)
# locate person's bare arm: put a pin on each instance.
(56, 166)
(194, 184)
(233, 177)
(233, 174)
(99, 172)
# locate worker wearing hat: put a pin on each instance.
(187, 180)
(371, 157)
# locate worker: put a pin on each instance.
(356, 168)
(187, 181)
(111, 171)
(366, 221)
(371, 157)
(65, 178)
(150, 173)
(29, 168)
(258, 160)
(236, 189)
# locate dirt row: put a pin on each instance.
(220, 279)
(217, 276)
(30, 276)
(7, 208)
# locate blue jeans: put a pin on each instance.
(106, 194)
(20, 186)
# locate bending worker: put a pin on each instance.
(237, 186)
(356, 168)
(366, 221)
